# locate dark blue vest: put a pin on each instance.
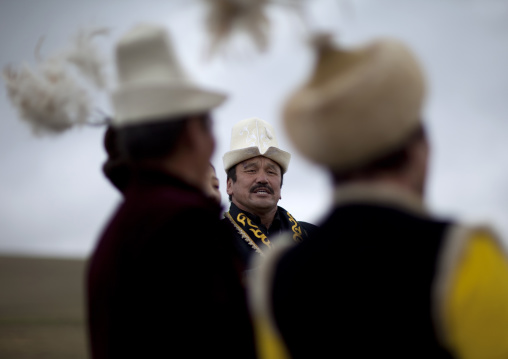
(361, 286)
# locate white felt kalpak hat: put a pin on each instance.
(358, 104)
(152, 85)
(251, 138)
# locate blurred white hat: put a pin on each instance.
(152, 85)
(358, 104)
(251, 138)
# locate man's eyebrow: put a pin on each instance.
(250, 164)
(272, 166)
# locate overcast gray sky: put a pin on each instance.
(54, 199)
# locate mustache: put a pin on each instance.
(259, 185)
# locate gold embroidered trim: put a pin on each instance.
(244, 235)
(255, 229)
(297, 231)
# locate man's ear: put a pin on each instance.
(229, 186)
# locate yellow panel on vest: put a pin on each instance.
(269, 344)
(477, 301)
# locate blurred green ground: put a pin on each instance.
(42, 308)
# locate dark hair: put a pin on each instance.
(231, 173)
(392, 161)
(116, 168)
(128, 145)
(153, 140)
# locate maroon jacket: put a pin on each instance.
(162, 282)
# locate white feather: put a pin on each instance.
(87, 58)
(52, 97)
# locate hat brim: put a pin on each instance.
(234, 157)
(140, 104)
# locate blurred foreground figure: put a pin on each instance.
(117, 170)
(255, 167)
(381, 276)
(162, 281)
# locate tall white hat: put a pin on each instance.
(152, 85)
(251, 138)
(358, 104)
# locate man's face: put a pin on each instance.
(212, 189)
(257, 186)
(198, 145)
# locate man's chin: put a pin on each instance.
(263, 203)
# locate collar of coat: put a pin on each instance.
(255, 234)
(379, 194)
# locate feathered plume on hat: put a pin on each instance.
(53, 96)
(226, 17)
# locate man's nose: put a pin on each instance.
(262, 177)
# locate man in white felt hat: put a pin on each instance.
(255, 168)
(381, 276)
(157, 285)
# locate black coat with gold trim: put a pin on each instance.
(253, 237)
